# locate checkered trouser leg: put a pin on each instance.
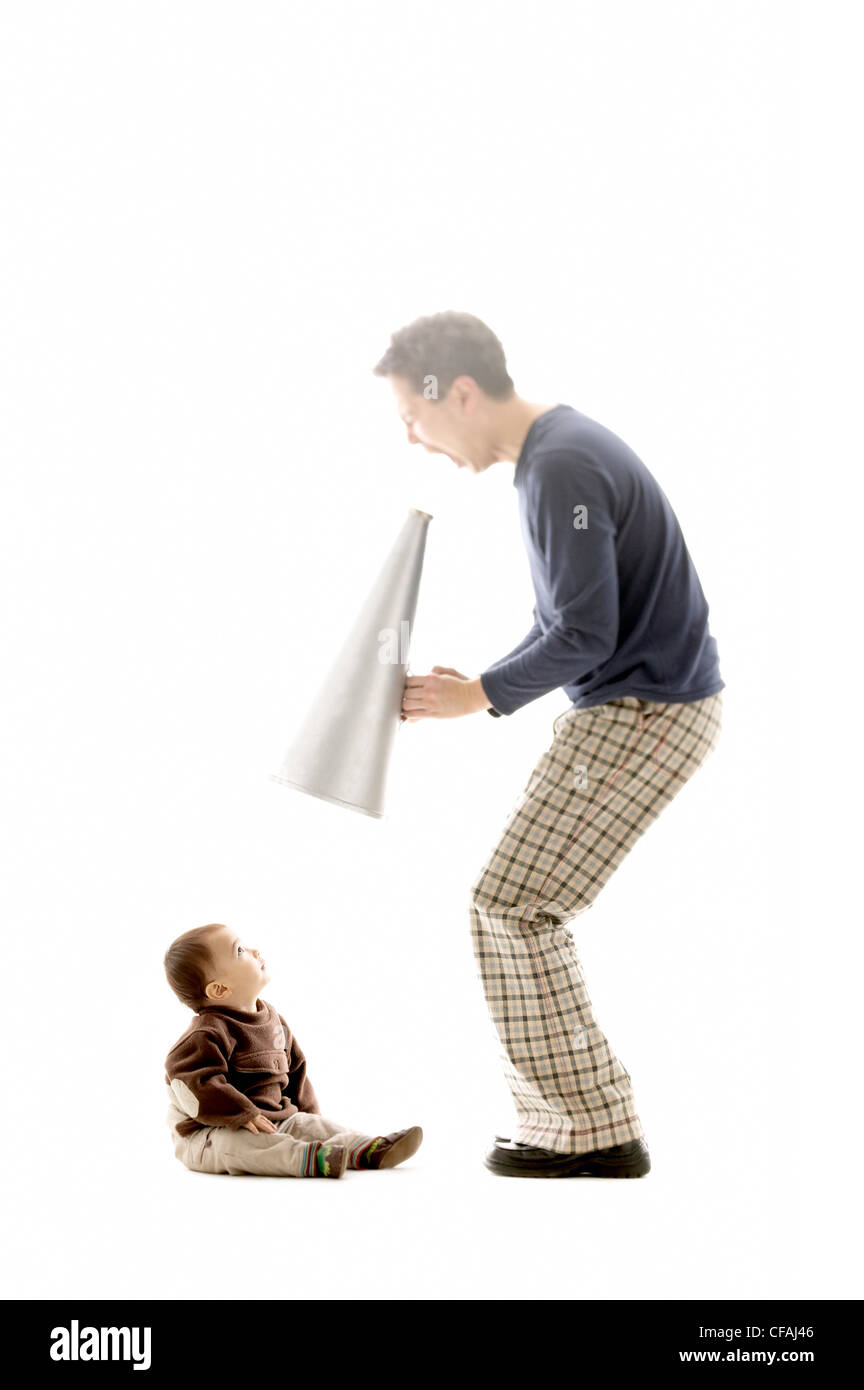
(607, 775)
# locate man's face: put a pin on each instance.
(238, 968)
(450, 425)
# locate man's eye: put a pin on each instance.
(239, 949)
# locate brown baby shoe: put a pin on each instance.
(331, 1160)
(389, 1149)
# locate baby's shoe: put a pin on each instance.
(331, 1160)
(389, 1149)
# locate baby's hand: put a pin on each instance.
(260, 1124)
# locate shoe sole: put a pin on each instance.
(581, 1165)
(403, 1148)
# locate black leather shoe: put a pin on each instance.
(513, 1159)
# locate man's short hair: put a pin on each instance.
(442, 347)
(189, 965)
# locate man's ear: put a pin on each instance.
(465, 394)
(216, 990)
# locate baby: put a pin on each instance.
(241, 1099)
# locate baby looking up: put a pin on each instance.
(241, 1100)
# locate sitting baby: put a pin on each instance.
(241, 1099)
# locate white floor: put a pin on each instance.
(713, 1219)
(693, 966)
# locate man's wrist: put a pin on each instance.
(473, 696)
(481, 700)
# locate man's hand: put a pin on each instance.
(443, 694)
(259, 1124)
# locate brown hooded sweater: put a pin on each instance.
(230, 1065)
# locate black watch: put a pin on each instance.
(496, 714)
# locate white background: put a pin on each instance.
(217, 214)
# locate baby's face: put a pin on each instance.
(238, 966)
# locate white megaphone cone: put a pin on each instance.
(342, 751)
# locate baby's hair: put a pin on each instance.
(189, 965)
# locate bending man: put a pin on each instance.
(621, 625)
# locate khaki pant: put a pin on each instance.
(289, 1153)
(605, 778)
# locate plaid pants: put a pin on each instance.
(607, 775)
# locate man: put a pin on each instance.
(621, 623)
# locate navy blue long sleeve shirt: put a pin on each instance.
(619, 607)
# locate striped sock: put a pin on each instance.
(364, 1154)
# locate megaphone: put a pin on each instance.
(342, 751)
